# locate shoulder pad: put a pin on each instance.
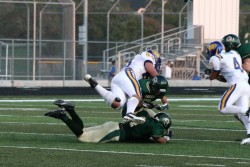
(219, 56)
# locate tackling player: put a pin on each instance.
(152, 89)
(155, 129)
(125, 86)
(227, 67)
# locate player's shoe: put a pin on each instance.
(56, 114)
(64, 105)
(246, 140)
(130, 117)
(90, 80)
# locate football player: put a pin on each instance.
(125, 86)
(152, 89)
(227, 67)
(156, 128)
(244, 51)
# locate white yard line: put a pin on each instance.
(121, 152)
(98, 100)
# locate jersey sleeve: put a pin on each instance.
(147, 57)
(214, 62)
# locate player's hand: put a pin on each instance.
(161, 107)
(207, 71)
(170, 133)
(148, 105)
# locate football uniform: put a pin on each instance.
(147, 94)
(130, 131)
(125, 83)
(235, 99)
(244, 51)
(142, 132)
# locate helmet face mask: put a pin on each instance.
(231, 42)
(164, 119)
(159, 85)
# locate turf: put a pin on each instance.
(202, 137)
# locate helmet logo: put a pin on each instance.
(212, 47)
(230, 39)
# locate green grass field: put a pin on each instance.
(203, 136)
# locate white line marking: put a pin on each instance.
(99, 100)
(203, 164)
(120, 152)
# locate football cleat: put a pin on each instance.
(246, 140)
(55, 114)
(64, 105)
(130, 117)
(90, 80)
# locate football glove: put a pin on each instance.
(207, 71)
(148, 105)
(169, 135)
(161, 107)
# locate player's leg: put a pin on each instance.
(61, 114)
(131, 87)
(244, 120)
(234, 95)
(70, 108)
(108, 96)
(109, 131)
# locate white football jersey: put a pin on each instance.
(230, 66)
(138, 62)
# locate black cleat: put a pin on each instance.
(58, 103)
(90, 80)
(64, 105)
(55, 114)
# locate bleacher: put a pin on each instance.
(181, 46)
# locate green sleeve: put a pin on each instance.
(244, 51)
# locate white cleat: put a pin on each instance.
(130, 117)
(87, 77)
(90, 80)
(245, 141)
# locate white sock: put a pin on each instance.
(106, 95)
(132, 104)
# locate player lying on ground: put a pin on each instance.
(153, 129)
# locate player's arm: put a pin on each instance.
(246, 65)
(216, 75)
(162, 140)
(215, 69)
(150, 69)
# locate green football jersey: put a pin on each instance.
(142, 132)
(147, 95)
(244, 50)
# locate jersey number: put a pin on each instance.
(236, 64)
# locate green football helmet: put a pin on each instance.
(231, 42)
(164, 119)
(159, 85)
